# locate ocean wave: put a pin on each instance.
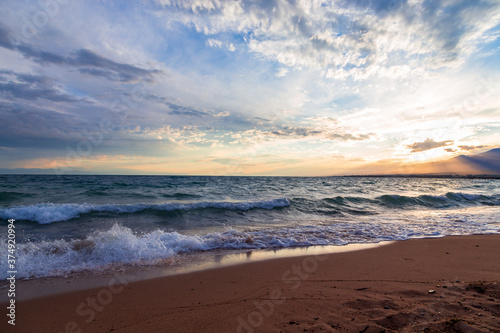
(357, 205)
(46, 213)
(120, 245)
(181, 195)
(98, 192)
(336, 205)
(450, 199)
(6, 196)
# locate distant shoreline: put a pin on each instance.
(427, 176)
(458, 176)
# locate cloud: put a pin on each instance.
(349, 136)
(40, 56)
(214, 43)
(469, 148)
(219, 44)
(347, 77)
(187, 111)
(123, 72)
(381, 7)
(347, 39)
(222, 114)
(106, 74)
(87, 62)
(175, 108)
(293, 133)
(281, 72)
(319, 129)
(428, 144)
(31, 88)
(37, 127)
(4, 38)
(296, 131)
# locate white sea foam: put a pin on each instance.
(46, 213)
(120, 245)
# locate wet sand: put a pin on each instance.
(432, 285)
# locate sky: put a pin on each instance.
(246, 87)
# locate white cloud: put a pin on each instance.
(219, 44)
(214, 43)
(348, 39)
(281, 72)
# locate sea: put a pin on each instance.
(72, 224)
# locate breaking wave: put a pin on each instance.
(120, 245)
(46, 213)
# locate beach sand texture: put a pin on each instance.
(425, 285)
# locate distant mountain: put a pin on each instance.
(31, 171)
(486, 163)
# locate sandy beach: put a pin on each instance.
(244, 166)
(427, 285)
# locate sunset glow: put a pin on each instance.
(246, 87)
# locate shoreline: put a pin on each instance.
(386, 287)
(181, 264)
